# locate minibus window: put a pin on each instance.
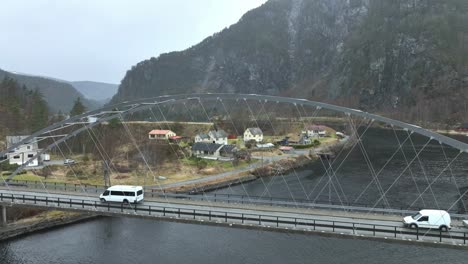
(140, 192)
(129, 194)
(106, 193)
(118, 193)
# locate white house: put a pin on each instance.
(218, 137)
(202, 138)
(24, 152)
(253, 133)
(161, 134)
(315, 131)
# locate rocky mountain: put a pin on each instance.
(404, 58)
(96, 90)
(59, 95)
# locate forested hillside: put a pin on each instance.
(22, 111)
(59, 95)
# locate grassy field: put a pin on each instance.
(90, 172)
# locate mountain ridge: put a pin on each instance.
(59, 95)
(405, 58)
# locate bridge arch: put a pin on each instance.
(121, 109)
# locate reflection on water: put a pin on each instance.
(403, 185)
(128, 240)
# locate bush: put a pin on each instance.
(8, 173)
(302, 146)
(5, 166)
(201, 164)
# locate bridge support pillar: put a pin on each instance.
(3, 216)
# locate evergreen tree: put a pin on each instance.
(39, 111)
(78, 108)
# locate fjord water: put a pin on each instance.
(427, 182)
(128, 240)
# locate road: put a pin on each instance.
(260, 163)
(383, 226)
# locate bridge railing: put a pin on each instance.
(218, 215)
(234, 198)
(58, 186)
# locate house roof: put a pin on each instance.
(255, 131)
(11, 140)
(159, 132)
(228, 148)
(176, 137)
(202, 146)
(316, 127)
(464, 125)
(285, 148)
(203, 136)
(218, 133)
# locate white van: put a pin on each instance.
(439, 219)
(123, 194)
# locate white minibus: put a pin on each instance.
(123, 194)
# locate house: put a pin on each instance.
(463, 127)
(202, 138)
(24, 152)
(177, 139)
(315, 131)
(213, 150)
(283, 142)
(161, 134)
(253, 133)
(200, 149)
(286, 149)
(218, 137)
(227, 151)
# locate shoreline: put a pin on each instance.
(17, 230)
(270, 169)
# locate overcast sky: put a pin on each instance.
(99, 40)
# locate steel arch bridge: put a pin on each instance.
(351, 219)
(120, 110)
(127, 107)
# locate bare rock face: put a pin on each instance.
(407, 58)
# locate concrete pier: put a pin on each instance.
(3, 216)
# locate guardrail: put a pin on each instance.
(260, 219)
(57, 186)
(287, 203)
(235, 198)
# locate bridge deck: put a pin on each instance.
(372, 225)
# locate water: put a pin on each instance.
(127, 240)
(404, 186)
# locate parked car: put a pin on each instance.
(69, 161)
(438, 219)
